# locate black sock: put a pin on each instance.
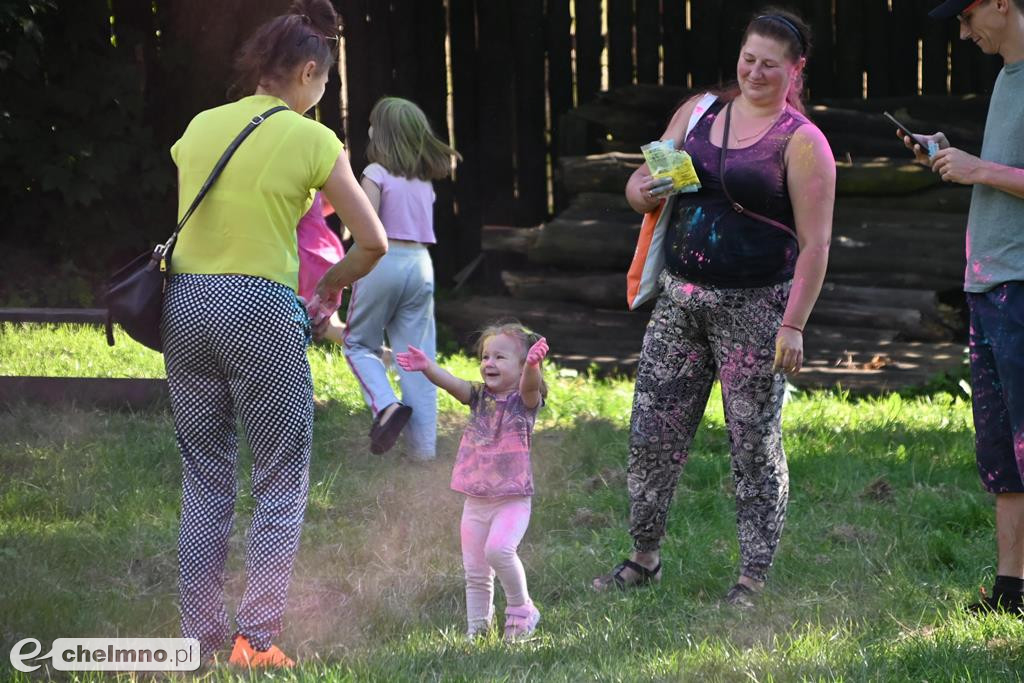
(1008, 587)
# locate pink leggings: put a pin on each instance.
(491, 531)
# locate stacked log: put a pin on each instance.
(624, 119)
(890, 314)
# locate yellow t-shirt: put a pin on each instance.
(246, 223)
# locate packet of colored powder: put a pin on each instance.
(665, 161)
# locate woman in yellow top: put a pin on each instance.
(235, 333)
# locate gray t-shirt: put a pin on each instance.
(995, 225)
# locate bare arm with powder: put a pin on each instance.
(643, 192)
(358, 215)
(372, 191)
(957, 166)
(811, 178)
(415, 360)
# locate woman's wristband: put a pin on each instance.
(793, 327)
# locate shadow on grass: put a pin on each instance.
(378, 583)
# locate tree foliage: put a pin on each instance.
(80, 169)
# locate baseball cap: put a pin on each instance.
(950, 8)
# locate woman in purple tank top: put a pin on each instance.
(745, 258)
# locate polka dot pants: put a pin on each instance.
(235, 348)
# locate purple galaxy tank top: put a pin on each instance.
(710, 243)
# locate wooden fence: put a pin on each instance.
(517, 65)
(497, 74)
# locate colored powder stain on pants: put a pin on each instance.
(396, 298)
(997, 385)
(491, 531)
(696, 332)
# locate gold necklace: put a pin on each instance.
(771, 123)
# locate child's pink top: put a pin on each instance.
(406, 206)
(319, 248)
(494, 454)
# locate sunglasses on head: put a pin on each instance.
(317, 37)
(964, 15)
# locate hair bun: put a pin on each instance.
(319, 13)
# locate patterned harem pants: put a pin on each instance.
(695, 333)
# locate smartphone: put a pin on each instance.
(903, 129)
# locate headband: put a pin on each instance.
(791, 26)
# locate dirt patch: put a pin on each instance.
(609, 477)
(849, 534)
(879, 491)
(589, 519)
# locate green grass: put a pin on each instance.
(888, 536)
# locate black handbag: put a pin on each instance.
(134, 295)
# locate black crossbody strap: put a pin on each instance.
(163, 249)
(737, 207)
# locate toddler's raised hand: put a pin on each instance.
(412, 360)
(537, 352)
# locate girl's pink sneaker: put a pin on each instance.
(521, 621)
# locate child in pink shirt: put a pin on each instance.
(319, 247)
(492, 469)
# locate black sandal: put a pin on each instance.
(384, 436)
(1005, 604)
(644, 576)
(741, 596)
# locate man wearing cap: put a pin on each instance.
(994, 278)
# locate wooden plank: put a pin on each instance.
(601, 290)
(911, 323)
(466, 113)
(560, 98)
(328, 110)
(986, 68)
(648, 41)
(734, 24)
(904, 31)
(620, 42)
(404, 33)
(962, 72)
(530, 133)
(589, 43)
(99, 392)
(936, 36)
(360, 55)
(821, 65)
(857, 358)
(496, 109)
(877, 59)
(459, 242)
(675, 39)
(89, 316)
(609, 173)
(504, 238)
(915, 314)
(706, 27)
(850, 62)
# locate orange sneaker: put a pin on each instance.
(243, 654)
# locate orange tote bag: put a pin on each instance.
(649, 257)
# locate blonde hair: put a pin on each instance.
(404, 144)
(524, 336)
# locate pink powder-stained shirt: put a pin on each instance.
(494, 454)
(406, 205)
(319, 248)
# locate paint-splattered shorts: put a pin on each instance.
(997, 385)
